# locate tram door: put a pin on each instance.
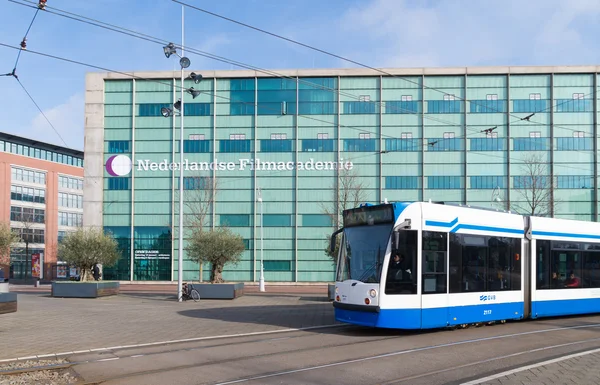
(434, 297)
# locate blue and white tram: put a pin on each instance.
(419, 265)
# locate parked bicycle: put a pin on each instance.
(188, 292)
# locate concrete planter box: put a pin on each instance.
(219, 290)
(331, 291)
(4, 287)
(91, 289)
(8, 303)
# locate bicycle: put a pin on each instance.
(188, 292)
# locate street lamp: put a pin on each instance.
(184, 62)
(261, 282)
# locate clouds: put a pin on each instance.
(66, 117)
(401, 33)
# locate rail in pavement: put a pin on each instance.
(580, 368)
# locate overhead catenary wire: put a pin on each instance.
(157, 40)
(162, 41)
(140, 78)
(194, 51)
(13, 73)
(42, 112)
(332, 54)
(25, 38)
(485, 153)
(434, 141)
(427, 144)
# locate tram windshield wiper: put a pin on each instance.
(375, 266)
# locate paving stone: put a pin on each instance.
(582, 370)
(45, 325)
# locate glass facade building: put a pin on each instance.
(461, 135)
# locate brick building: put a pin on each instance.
(41, 195)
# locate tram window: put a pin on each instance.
(500, 274)
(434, 262)
(543, 266)
(567, 265)
(455, 265)
(515, 261)
(481, 263)
(474, 256)
(591, 266)
(564, 265)
(402, 271)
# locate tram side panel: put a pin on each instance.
(500, 296)
(565, 268)
(484, 265)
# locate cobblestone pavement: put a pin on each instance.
(581, 369)
(46, 325)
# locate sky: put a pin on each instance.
(377, 33)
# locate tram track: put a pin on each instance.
(481, 362)
(206, 347)
(417, 350)
(290, 352)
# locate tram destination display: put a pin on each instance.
(368, 215)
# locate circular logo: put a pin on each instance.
(118, 165)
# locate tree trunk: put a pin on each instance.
(27, 263)
(216, 272)
(82, 275)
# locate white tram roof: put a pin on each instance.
(565, 230)
(465, 219)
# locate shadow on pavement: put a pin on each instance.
(151, 296)
(293, 316)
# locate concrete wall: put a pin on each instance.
(94, 151)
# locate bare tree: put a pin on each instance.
(198, 199)
(351, 192)
(199, 196)
(534, 189)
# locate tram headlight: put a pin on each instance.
(373, 293)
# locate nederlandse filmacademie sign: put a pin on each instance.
(120, 165)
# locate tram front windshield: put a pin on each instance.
(363, 250)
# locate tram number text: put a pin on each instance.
(487, 312)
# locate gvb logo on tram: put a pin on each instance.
(421, 265)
